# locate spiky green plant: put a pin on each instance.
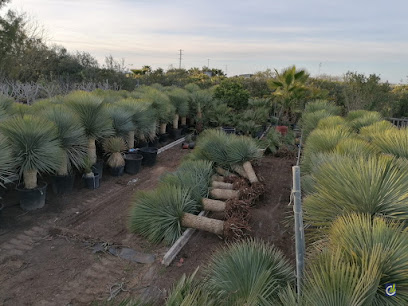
(195, 175)
(179, 98)
(373, 185)
(323, 141)
(192, 87)
(35, 146)
(330, 280)
(272, 141)
(157, 214)
(121, 120)
(199, 101)
(71, 135)
(93, 117)
(114, 146)
(20, 109)
(6, 160)
(3, 114)
(330, 122)
(392, 141)
(370, 132)
(319, 105)
(242, 149)
(247, 273)
(355, 147)
(311, 120)
(164, 110)
(359, 236)
(360, 118)
(6, 102)
(188, 291)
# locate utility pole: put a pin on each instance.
(181, 54)
(208, 63)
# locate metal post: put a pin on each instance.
(299, 230)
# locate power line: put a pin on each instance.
(181, 54)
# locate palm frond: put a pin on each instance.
(179, 98)
(122, 120)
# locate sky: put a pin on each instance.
(324, 37)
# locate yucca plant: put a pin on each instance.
(392, 141)
(164, 110)
(114, 147)
(6, 161)
(199, 102)
(319, 105)
(360, 118)
(373, 185)
(180, 99)
(122, 122)
(35, 146)
(330, 280)
(93, 116)
(162, 214)
(360, 236)
(249, 272)
(272, 141)
(72, 138)
(323, 141)
(310, 121)
(355, 147)
(6, 102)
(330, 122)
(370, 132)
(188, 291)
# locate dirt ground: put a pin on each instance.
(47, 256)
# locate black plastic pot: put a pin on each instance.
(98, 168)
(62, 183)
(163, 137)
(133, 163)
(92, 182)
(229, 130)
(184, 129)
(1, 213)
(149, 156)
(31, 199)
(141, 144)
(176, 134)
(117, 171)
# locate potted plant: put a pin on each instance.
(179, 98)
(94, 119)
(6, 166)
(36, 149)
(74, 145)
(114, 147)
(92, 180)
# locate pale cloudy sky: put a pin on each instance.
(241, 36)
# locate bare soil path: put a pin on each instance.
(47, 256)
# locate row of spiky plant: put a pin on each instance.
(355, 211)
(356, 206)
(162, 214)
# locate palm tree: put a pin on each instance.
(93, 116)
(249, 272)
(72, 138)
(288, 87)
(179, 98)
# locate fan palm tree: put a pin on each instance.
(72, 138)
(249, 272)
(93, 116)
(288, 86)
(35, 146)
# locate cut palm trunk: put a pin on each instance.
(163, 128)
(30, 179)
(230, 229)
(63, 170)
(218, 178)
(240, 170)
(213, 205)
(222, 185)
(222, 171)
(131, 139)
(176, 122)
(249, 170)
(184, 120)
(224, 194)
(92, 150)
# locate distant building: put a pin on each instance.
(209, 73)
(246, 75)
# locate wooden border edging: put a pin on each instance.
(170, 145)
(179, 244)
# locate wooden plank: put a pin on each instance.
(179, 244)
(170, 145)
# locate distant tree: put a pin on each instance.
(232, 92)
